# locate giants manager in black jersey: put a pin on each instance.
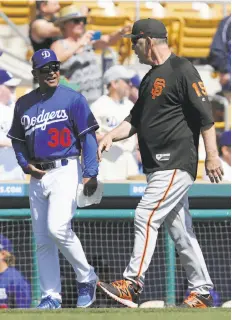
(171, 111)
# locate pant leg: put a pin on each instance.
(62, 205)
(47, 251)
(164, 190)
(179, 224)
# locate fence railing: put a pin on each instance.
(116, 215)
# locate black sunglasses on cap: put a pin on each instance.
(134, 40)
(50, 67)
(79, 20)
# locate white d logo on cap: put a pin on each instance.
(46, 54)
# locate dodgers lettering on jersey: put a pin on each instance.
(15, 291)
(52, 124)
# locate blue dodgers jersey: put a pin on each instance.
(51, 124)
(15, 291)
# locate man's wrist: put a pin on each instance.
(112, 136)
(88, 176)
(211, 155)
(25, 168)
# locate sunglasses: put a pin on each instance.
(50, 67)
(135, 39)
(128, 81)
(79, 20)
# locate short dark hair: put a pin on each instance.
(39, 3)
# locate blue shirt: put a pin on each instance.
(15, 291)
(220, 50)
(52, 124)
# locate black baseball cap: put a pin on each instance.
(148, 28)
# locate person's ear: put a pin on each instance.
(149, 42)
(4, 253)
(225, 150)
(114, 84)
(34, 74)
(228, 149)
(43, 6)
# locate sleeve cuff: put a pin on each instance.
(129, 119)
(208, 124)
(90, 173)
(94, 127)
(12, 137)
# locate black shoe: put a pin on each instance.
(196, 300)
(122, 291)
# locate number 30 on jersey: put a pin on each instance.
(59, 137)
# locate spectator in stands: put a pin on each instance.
(8, 80)
(109, 110)
(42, 31)
(15, 291)
(9, 168)
(133, 97)
(4, 95)
(76, 52)
(224, 145)
(134, 92)
(218, 102)
(220, 55)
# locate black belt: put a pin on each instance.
(51, 165)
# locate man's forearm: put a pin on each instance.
(89, 151)
(123, 131)
(209, 137)
(21, 154)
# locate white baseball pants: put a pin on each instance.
(166, 200)
(53, 203)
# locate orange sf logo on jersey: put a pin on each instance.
(158, 87)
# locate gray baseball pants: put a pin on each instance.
(166, 200)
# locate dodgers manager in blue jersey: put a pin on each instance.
(52, 125)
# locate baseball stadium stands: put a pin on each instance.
(190, 25)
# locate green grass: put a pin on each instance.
(117, 314)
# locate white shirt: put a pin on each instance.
(120, 161)
(227, 170)
(9, 168)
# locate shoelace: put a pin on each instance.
(83, 288)
(191, 297)
(120, 284)
(49, 301)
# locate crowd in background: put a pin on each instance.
(112, 95)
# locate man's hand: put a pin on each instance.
(104, 145)
(34, 172)
(86, 38)
(90, 186)
(126, 29)
(214, 169)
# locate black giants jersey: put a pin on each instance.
(171, 109)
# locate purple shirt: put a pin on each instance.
(15, 291)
